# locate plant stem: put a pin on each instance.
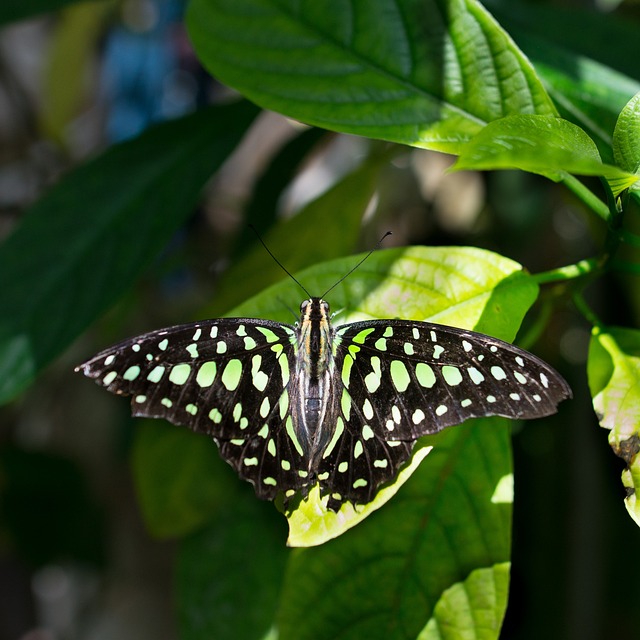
(588, 197)
(585, 310)
(569, 272)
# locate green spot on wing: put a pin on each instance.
(132, 373)
(232, 374)
(206, 374)
(399, 375)
(180, 373)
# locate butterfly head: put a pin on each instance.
(314, 310)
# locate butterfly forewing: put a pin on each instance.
(227, 378)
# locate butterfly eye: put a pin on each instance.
(304, 305)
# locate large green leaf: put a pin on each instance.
(428, 74)
(83, 244)
(614, 381)
(541, 144)
(229, 574)
(402, 569)
(180, 479)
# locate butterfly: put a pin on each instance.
(292, 406)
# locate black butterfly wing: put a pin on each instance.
(407, 379)
(227, 378)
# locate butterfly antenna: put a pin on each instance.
(278, 261)
(346, 275)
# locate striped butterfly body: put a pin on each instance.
(294, 406)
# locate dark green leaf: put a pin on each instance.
(452, 518)
(585, 59)
(230, 574)
(180, 478)
(428, 74)
(80, 247)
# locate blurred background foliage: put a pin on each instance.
(76, 560)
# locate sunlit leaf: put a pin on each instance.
(547, 145)
(614, 381)
(427, 74)
(626, 137)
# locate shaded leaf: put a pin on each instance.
(180, 479)
(229, 574)
(427, 74)
(83, 244)
(447, 521)
(586, 92)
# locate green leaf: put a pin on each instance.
(626, 137)
(587, 92)
(546, 145)
(427, 74)
(471, 609)
(229, 574)
(397, 570)
(180, 478)
(614, 380)
(83, 244)
(464, 287)
(589, 83)
(588, 33)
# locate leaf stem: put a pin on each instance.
(587, 196)
(585, 310)
(570, 271)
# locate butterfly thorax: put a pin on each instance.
(314, 368)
